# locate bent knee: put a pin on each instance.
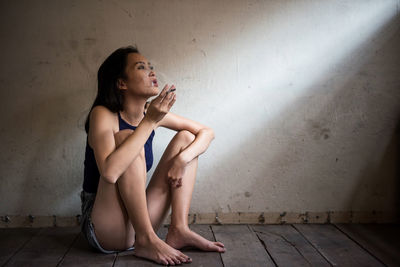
(120, 136)
(186, 136)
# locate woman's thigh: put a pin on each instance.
(113, 228)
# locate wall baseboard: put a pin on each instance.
(224, 218)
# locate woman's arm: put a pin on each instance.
(203, 135)
(112, 161)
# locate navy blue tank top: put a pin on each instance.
(91, 172)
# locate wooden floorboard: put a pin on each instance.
(243, 248)
(288, 247)
(199, 258)
(246, 245)
(336, 247)
(203, 258)
(13, 239)
(381, 240)
(47, 248)
(82, 254)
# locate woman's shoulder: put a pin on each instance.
(101, 108)
(101, 114)
(102, 111)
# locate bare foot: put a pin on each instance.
(179, 238)
(155, 249)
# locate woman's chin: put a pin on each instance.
(150, 91)
(156, 91)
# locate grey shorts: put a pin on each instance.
(87, 227)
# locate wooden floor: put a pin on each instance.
(246, 245)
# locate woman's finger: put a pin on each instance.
(168, 98)
(164, 90)
(171, 89)
(171, 103)
(167, 94)
(171, 96)
(163, 93)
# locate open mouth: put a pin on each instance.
(154, 83)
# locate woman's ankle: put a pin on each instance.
(178, 228)
(147, 237)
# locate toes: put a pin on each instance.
(170, 261)
(177, 260)
(221, 249)
(217, 247)
(219, 244)
(182, 258)
(183, 255)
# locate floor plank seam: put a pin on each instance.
(215, 239)
(287, 241)
(264, 245)
(18, 250)
(69, 248)
(115, 259)
(360, 245)
(322, 254)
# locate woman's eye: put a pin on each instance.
(142, 67)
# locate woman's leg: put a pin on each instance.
(113, 228)
(160, 194)
(132, 204)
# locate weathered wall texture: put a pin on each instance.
(304, 97)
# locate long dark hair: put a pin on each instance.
(112, 69)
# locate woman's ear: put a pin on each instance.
(121, 84)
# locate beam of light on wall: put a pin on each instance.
(280, 60)
(265, 60)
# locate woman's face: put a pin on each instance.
(140, 77)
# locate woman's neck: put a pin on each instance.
(133, 110)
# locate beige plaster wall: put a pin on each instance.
(303, 97)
